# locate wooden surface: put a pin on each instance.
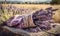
(51, 32)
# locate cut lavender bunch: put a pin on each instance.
(41, 18)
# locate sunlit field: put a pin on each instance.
(34, 7)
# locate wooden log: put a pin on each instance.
(17, 31)
(51, 32)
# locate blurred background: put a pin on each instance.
(31, 1)
(24, 7)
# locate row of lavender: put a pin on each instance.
(11, 8)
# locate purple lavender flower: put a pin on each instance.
(14, 21)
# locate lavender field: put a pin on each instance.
(30, 8)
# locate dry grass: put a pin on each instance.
(29, 5)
